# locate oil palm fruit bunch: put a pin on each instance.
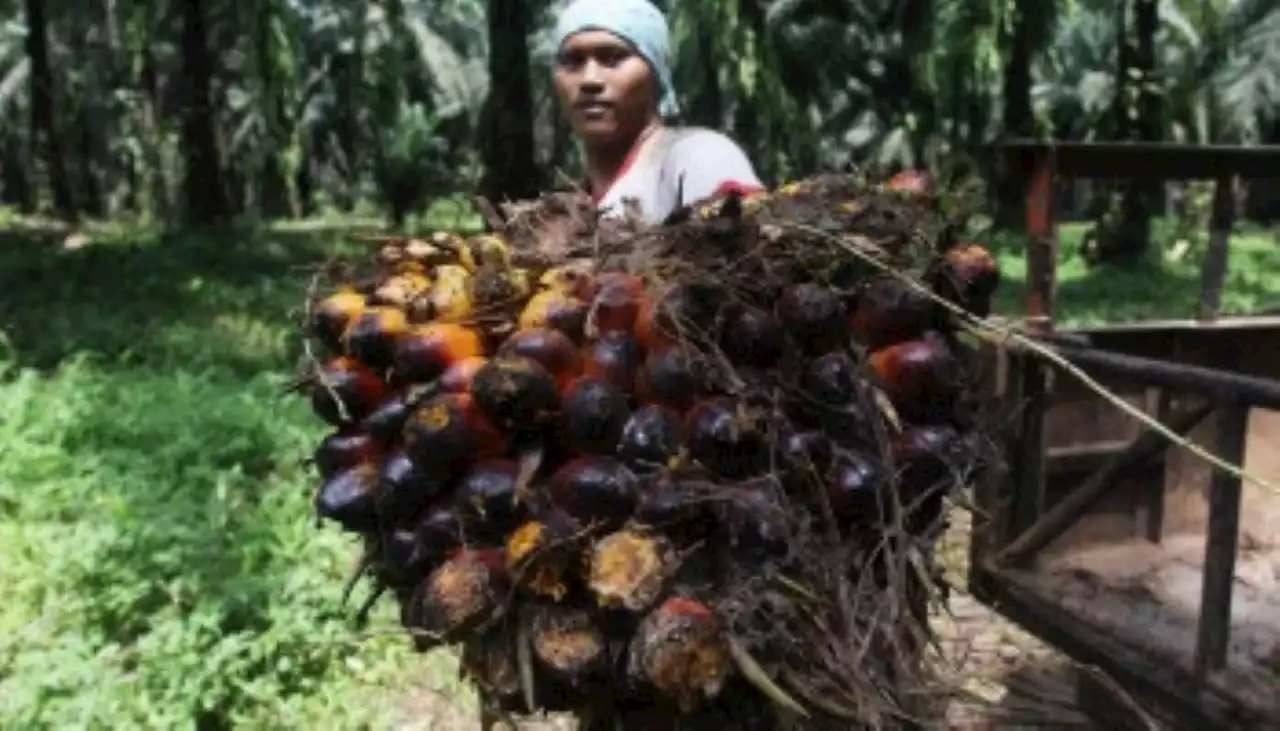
(578, 450)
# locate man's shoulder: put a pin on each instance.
(695, 137)
(707, 150)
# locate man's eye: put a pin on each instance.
(613, 57)
(569, 61)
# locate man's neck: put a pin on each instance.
(605, 163)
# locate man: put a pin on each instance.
(613, 78)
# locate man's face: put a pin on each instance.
(605, 86)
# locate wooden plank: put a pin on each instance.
(994, 489)
(1234, 323)
(1034, 377)
(1061, 517)
(1220, 547)
(1028, 457)
(1151, 510)
(1152, 160)
(1087, 452)
(1217, 384)
(1042, 249)
(1196, 706)
(1082, 457)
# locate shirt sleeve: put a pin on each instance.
(709, 164)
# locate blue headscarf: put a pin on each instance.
(636, 21)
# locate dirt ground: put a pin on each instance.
(1016, 681)
(1013, 680)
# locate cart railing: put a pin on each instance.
(1019, 526)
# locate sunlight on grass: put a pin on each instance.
(1156, 290)
(161, 567)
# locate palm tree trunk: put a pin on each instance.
(1262, 199)
(15, 175)
(273, 189)
(1018, 120)
(511, 169)
(1140, 198)
(206, 196)
(43, 111)
(155, 181)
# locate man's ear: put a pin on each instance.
(655, 91)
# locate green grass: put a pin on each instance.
(1160, 289)
(159, 561)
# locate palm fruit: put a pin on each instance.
(681, 649)
(334, 314)
(458, 595)
(541, 554)
(629, 569)
(427, 351)
(344, 391)
(615, 464)
(568, 642)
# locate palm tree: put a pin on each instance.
(43, 111)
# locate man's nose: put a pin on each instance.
(592, 79)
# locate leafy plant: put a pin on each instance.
(160, 566)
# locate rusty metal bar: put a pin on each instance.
(1064, 514)
(1222, 386)
(1153, 160)
(1214, 629)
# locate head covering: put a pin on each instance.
(639, 23)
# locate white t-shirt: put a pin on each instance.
(675, 167)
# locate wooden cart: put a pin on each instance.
(1135, 559)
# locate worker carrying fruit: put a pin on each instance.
(613, 77)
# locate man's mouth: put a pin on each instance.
(593, 108)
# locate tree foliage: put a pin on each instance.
(199, 110)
